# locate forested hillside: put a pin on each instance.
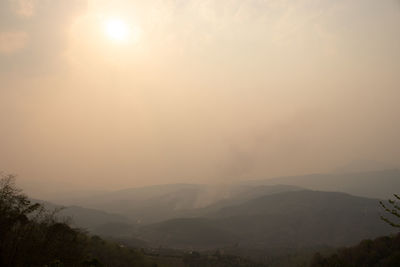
(290, 219)
(380, 252)
(32, 236)
(278, 228)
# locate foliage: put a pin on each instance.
(382, 252)
(27, 231)
(393, 209)
(32, 236)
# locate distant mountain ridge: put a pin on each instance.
(162, 202)
(289, 219)
(334, 209)
(375, 184)
(86, 218)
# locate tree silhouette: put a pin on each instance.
(392, 208)
(30, 235)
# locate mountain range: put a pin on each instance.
(336, 209)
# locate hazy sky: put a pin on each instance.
(195, 90)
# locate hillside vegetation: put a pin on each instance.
(290, 219)
(382, 252)
(32, 236)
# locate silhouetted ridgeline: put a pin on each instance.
(372, 184)
(283, 220)
(272, 225)
(32, 236)
(158, 203)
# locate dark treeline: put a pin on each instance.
(32, 236)
(382, 252)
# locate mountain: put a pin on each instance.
(363, 166)
(86, 218)
(289, 219)
(158, 203)
(161, 202)
(374, 184)
(91, 219)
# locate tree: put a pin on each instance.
(30, 235)
(393, 208)
(15, 224)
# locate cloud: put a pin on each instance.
(23, 8)
(38, 31)
(12, 42)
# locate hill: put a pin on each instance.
(162, 202)
(30, 235)
(374, 184)
(289, 219)
(382, 252)
(85, 218)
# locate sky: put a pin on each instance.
(194, 91)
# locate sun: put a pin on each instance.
(117, 30)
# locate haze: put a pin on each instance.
(209, 91)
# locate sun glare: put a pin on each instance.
(117, 30)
